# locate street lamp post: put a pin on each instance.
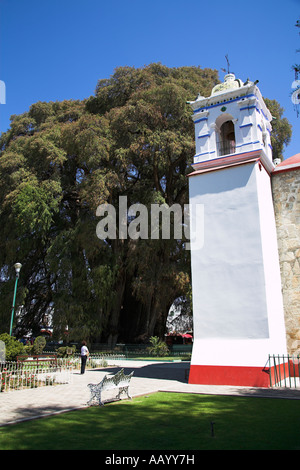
(18, 266)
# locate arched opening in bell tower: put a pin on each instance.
(227, 143)
(225, 135)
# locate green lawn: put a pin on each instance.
(165, 421)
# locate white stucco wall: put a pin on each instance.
(238, 314)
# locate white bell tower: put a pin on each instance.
(237, 300)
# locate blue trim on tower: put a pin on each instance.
(249, 107)
(248, 143)
(204, 153)
(202, 119)
(223, 102)
(204, 135)
(246, 125)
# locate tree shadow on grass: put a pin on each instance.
(168, 421)
(29, 413)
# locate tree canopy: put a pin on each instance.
(59, 161)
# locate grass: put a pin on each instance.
(165, 421)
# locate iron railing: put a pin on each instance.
(22, 375)
(284, 371)
(136, 350)
(226, 147)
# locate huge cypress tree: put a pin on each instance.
(58, 163)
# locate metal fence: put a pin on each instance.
(226, 147)
(137, 350)
(128, 351)
(22, 375)
(284, 371)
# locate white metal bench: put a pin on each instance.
(118, 381)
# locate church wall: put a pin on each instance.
(237, 302)
(286, 197)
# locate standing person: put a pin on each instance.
(84, 353)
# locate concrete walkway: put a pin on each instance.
(149, 377)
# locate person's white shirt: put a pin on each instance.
(84, 351)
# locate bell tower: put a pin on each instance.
(237, 300)
(233, 120)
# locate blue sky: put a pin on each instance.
(58, 49)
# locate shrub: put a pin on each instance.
(38, 345)
(158, 347)
(66, 351)
(13, 348)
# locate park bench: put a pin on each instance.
(118, 381)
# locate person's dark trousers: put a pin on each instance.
(83, 363)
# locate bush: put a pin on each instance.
(13, 348)
(158, 348)
(38, 345)
(66, 351)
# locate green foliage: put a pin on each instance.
(281, 129)
(240, 423)
(13, 348)
(158, 348)
(34, 207)
(58, 163)
(38, 345)
(66, 351)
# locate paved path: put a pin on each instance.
(148, 377)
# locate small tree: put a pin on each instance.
(13, 348)
(66, 351)
(39, 345)
(158, 348)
